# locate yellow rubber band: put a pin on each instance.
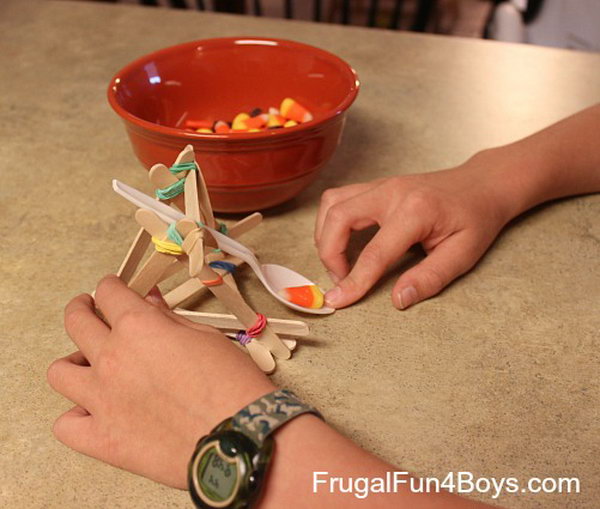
(167, 247)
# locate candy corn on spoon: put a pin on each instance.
(286, 285)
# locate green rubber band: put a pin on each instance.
(174, 235)
(171, 191)
(176, 188)
(179, 167)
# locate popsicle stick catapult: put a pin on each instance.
(186, 245)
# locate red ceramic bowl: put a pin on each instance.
(218, 78)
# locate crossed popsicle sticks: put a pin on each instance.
(189, 250)
(182, 238)
(186, 244)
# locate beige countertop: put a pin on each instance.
(497, 376)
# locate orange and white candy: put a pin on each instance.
(221, 127)
(309, 296)
(257, 121)
(198, 124)
(293, 110)
(239, 122)
(275, 120)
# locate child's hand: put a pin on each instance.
(146, 385)
(455, 214)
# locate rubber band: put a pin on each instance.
(244, 337)
(176, 188)
(258, 327)
(171, 246)
(179, 167)
(164, 246)
(223, 229)
(213, 282)
(173, 234)
(219, 264)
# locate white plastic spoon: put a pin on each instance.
(274, 277)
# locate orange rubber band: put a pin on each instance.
(213, 282)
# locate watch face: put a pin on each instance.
(218, 474)
(227, 469)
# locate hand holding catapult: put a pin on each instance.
(187, 243)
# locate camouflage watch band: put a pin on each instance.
(260, 418)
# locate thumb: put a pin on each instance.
(451, 258)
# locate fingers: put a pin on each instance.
(387, 246)
(155, 298)
(356, 213)
(114, 299)
(332, 197)
(195, 325)
(450, 259)
(84, 326)
(70, 377)
(74, 429)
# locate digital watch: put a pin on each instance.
(229, 464)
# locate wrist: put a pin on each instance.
(513, 179)
(297, 444)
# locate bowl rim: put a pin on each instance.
(242, 136)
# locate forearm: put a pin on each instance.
(561, 160)
(307, 445)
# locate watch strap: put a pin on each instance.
(261, 417)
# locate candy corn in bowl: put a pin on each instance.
(264, 115)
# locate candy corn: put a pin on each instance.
(239, 122)
(198, 124)
(309, 296)
(275, 120)
(221, 127)
(291, 114)
(293, 110)
(257, 121)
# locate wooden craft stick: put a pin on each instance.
(193, 245)
(230, 280)
(184, 291)
(153, 224)
(134, 255)
(205, 205)
(245, 225)
(192, 204)
(150, 273)
(238, 306)
(230, 322)
(191, 287)
(159, 176)
(261, 356)
(136, 250)
(177, 266)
